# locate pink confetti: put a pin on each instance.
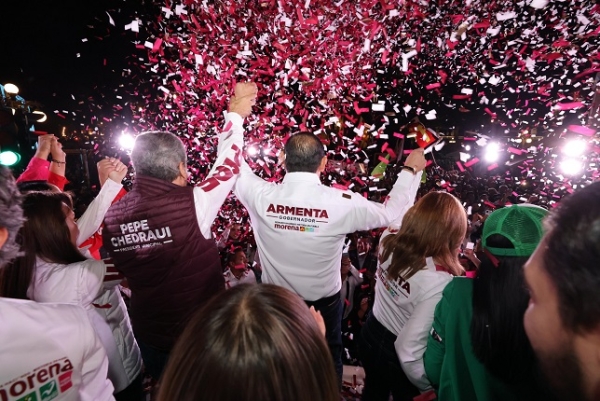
(579, 129)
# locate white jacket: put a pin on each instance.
(88, 284)
(50, 351)
(300, 226)
(406, 309)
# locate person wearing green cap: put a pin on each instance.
(477, 348)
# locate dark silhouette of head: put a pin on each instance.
(253, 342)
(303, 153)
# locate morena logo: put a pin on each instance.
(25, 387)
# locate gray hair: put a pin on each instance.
(158, 154)
(11, 215)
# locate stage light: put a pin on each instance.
(9, 158)
(252, 151)
(11, 89)
(571, 166)
(574, 148)
(468, 147)
(126, 141)
(492, 152)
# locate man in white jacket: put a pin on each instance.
(49, 351)
(300, 226)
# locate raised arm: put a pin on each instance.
(58, 165)
(111, 172)
(39, 167)
(367, 215)
(210, 194)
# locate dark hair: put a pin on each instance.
(46, 235)
(303, 152)
(11, 215)
(232, 252)
(572, 258)
(499, 302)
(35, 186)
(435, 226)
(265, 337)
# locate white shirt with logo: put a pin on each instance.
(406, 308)
(50, 352)
(300, 226)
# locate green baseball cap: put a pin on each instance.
(520, 224)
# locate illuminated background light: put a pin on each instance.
(126, 141)
(9, 158)
(574, 148)
(492, 152)
(571, 166)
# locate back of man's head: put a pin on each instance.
(158, 155)
(11, 216)
(303, 153)
(572, 258)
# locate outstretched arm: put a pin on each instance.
(210, 194)
(367, 215)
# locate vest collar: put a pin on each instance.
(302, 176)
(152, 186)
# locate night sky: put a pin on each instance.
(39, 44)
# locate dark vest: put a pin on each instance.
(152, 235)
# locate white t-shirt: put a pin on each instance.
(231, 281)
(50, 352)
(406, 308)
(300, 226)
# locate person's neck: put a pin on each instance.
(237, 273)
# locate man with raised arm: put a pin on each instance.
(300, 226)
(159, 234)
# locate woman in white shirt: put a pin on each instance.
(52, 269)
(416, 263)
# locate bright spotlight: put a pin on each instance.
(571, 166)
(492, 152)
(252, 151)
(126, 141)
(574, 148)
(468, 147)
(9, 158)
(11, 89)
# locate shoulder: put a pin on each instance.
(49, 312)
(458, 288)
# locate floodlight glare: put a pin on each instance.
(571, 166)
(492, 152)
(126, 141)
(9, 158)
(574, 148)
(252, 151)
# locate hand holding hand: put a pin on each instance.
(244, 98)
(44, 146)
(119, 170)
(105, 167)
(56, 150)
(416, 160)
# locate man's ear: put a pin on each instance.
(183, 170)
(3, 236)
(281, 158)
(322, 165)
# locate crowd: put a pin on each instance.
(462, 296)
